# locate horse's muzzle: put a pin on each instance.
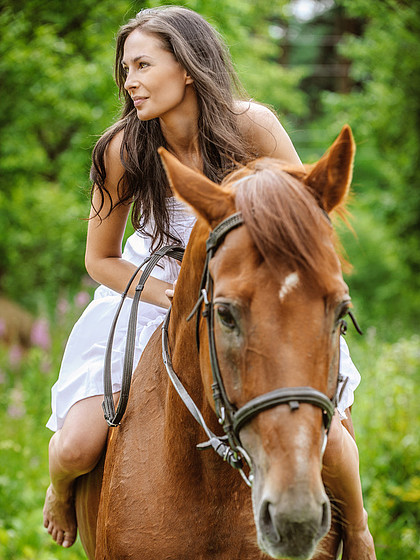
(292, 527)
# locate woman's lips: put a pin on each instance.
(139, 101)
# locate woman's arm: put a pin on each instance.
(103, 258)
(266, 135)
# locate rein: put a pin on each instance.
(113, 417)
(232, 419)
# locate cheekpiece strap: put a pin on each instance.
(214, 239)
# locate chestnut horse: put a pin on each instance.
(278, 297)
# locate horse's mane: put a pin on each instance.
(285, 221)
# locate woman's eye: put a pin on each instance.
(143, 65)
(226, 317)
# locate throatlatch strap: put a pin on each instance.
(113, 417)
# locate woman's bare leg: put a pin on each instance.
(74, 450)
(341, 475)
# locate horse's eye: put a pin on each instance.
(342, 309)
(226, 317)
(341, 313)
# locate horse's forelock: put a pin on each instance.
(285, 222)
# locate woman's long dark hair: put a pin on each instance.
(202, 53)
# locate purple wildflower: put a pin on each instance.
(40, 335)
(82, 299)
(2, 328)
(15, 356)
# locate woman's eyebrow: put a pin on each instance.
(137, 58)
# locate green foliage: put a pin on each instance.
(57, 94)
(25, 382)
(387, 424)
(383, 108)
(44, 250)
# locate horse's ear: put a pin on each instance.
(331, 176)
(208, 200)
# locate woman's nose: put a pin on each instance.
(130, 82)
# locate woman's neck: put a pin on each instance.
(180, 131)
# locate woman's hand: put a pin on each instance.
(170, 293)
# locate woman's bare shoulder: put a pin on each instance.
(112, 159)
(253, 115)
(113, 149)
(264, 132)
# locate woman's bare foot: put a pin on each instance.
(60, 518)
(358, 542)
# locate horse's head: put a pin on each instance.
(279, 297)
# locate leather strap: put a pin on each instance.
(113, 417)
(285, 395)
(216, 442)
(229, 416)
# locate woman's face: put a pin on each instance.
(156, 82)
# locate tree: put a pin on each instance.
(56, 96)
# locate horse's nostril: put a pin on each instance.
(326, 518)
(268, 525)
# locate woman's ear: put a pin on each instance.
(188, 79)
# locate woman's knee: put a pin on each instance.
(340, 445)
(78, 452)
(79, 444)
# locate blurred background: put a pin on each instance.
(319, 64)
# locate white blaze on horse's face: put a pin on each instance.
(289, 283)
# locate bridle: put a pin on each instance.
(231, 418)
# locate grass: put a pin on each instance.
(385, 416)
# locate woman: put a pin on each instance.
(177, 79)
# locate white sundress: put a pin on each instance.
(81, 372)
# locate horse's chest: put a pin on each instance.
(181, 525)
